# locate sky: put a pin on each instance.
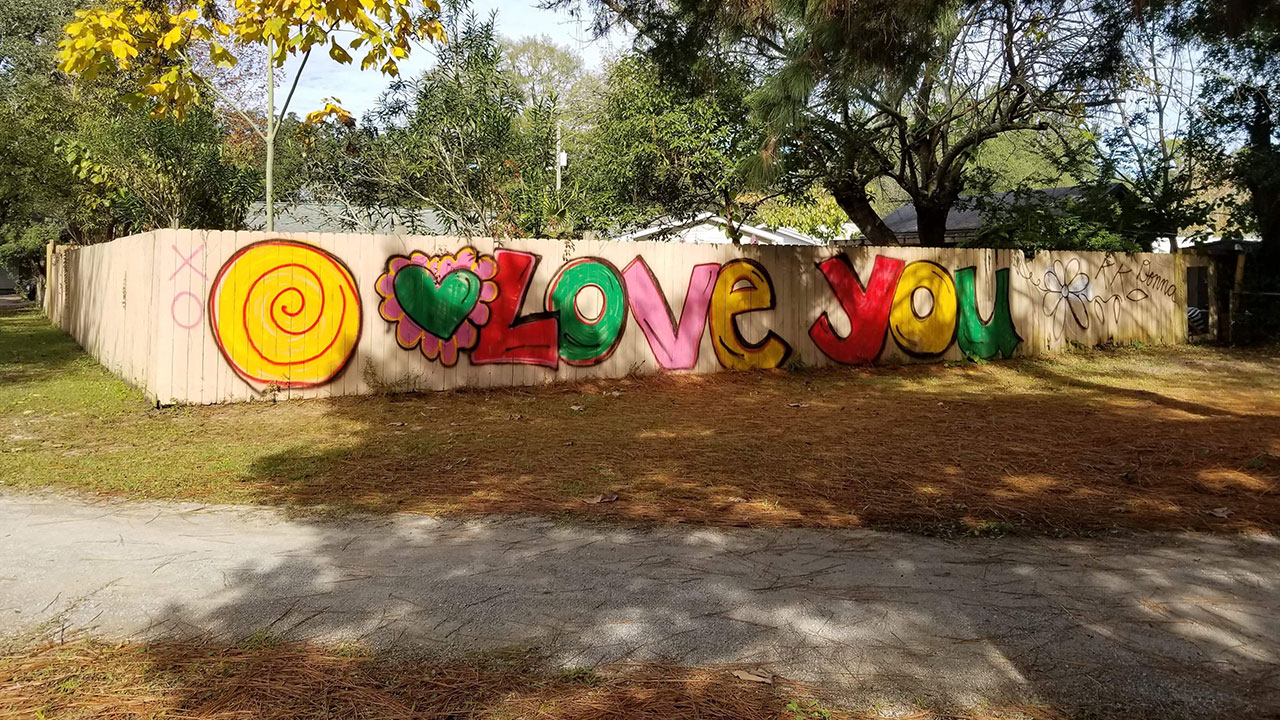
(358, 91)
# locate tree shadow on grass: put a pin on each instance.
(826, 449)
(30, 348)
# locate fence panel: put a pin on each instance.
(205, 317)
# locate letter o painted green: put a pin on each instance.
(588, 341)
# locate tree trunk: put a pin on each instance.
(856, 203)
(931, 221)
(1260, 177)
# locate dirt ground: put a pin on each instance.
(1156, 438)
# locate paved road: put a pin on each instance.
(1169, 625)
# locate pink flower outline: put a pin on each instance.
(408, 333)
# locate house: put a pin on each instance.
(966, 219)
(318, 217)
(7, 285)
(332, 217)
(708, 228)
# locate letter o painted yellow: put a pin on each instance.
(932, 333)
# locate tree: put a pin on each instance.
(445, 136)
(658, 149)
(159, 172)
(81, 166)
(541, 68)
(1031, 221)
(1059, 156)
(1244, 98)
(1238, 42)
(35, 185)
(1151, 142)
(816, 214)
(156, 45)
(462, 143)
(912, 97)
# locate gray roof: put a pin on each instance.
(964, 217)
(331, 217)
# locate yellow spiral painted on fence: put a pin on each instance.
(285, 313)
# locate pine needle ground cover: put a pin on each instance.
(83, 679)
(1139, 439)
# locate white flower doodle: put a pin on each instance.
(1066, 288)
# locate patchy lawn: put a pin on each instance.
(260, 679)
(1162, 438)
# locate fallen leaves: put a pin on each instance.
(755, 677)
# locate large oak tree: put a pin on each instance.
(908, 90)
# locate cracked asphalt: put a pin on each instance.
(1163, 625)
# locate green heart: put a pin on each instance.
(438, 308)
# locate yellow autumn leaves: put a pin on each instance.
(332, 109)
(155, 42)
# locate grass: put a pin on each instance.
(84, 679)
(1141, 439)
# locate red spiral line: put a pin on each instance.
(275, 302)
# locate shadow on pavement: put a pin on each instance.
(1156, 626)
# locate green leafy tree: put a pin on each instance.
(816, 214)
(463, 143)
(912, 96)
(1237, 44)
(160, 172)
(81, 166)
(659, 150)
(1152, 141)
(1243, 102)
(445, 139)
(36, 186)
(159, 45)
(541, 68)
(1030, 221)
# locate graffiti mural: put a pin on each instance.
(531, 340)
(919, 305)
(985, 339)
(467, 302)
(587, 339)
(285, 314)
(922, 318)
(674, 343)
(438, 303)
(867, 307)
(1116, 283)
(186, 309)
(1075, 300)
(742, 287)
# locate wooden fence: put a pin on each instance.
(209, 317)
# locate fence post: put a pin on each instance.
(46, 302)
(1233, 309)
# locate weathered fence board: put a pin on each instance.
(207, 317)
